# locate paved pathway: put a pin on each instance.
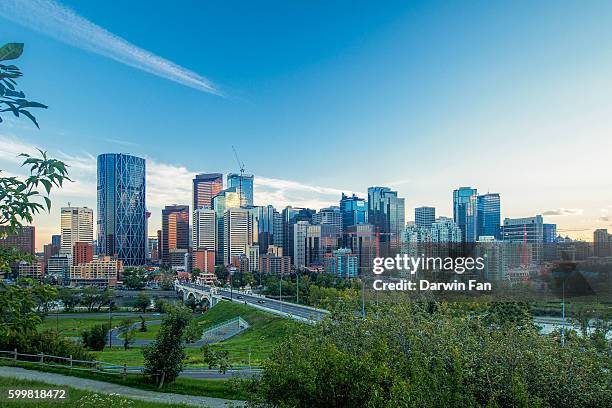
(108, 388)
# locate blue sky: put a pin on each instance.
(324, 97)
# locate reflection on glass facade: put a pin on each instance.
(386, 213)
(228, 198)
(354, 210)
(233, 180)
(489, 215)
(465, 212)
(121, 208)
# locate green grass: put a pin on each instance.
(74, 327)
(75, 398)
(266, 331)
(150, 334)
(229, 389)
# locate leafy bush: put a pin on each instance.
(412, 355)
(95, 338)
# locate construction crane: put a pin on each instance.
(241, 166)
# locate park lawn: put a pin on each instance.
(150, 334)
(75, 398)
(74, 327)
(265, 332)
(229, 389)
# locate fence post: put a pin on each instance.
(70, 361)
(15, 356)
(42, 358)
(124, 370)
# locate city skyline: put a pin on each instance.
(415, 107)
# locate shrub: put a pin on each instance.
(95, 338)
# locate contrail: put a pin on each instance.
(63, 24)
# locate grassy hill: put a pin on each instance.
(266, 331)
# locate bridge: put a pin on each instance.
(212, 295)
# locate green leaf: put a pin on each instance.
(48, 201)
(47, 185)
(11, 51)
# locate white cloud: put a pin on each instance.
(562, 212)
(63, 24)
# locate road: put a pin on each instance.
(304, 312)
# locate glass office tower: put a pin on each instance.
(122, 230)
(233, 180)
(489, 215)
(354, 210)
(465, 212)
(386, 213)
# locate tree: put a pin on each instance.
(142, 301)
(11, 99)
(164, 358)
(70, 298)
(95, 338)
(135, 278)
(18, 318)
(125, 327)
(143, 324)
(215, 358)
(409, 354)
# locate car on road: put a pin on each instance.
(240, 297)
(261, 301)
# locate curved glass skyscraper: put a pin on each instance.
(122, 222)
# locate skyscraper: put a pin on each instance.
(238, 231)
(290, 216)
(246, 184)
(465, 212)
(386, 211)
(268, 218)
(121, 207)
(205, 187)
(424, 216)
(175, 230)
(354, 210)
(489, 215)
(204, 229)
(602, 241)
(228, 198)
(529, 233)
(76, 226)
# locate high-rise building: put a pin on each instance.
(122, 223)
(204, 229)
(104, 271)
(205, 187)
(465, 212)
(300, 237)
(204, 260)
(529, 232)
(226, 199)
(354, 210)
(56, 240)
(424, 216)
(244, 183)
(23, 239)
(274, 264)
(329, 216)
(269, 224)
(445, 230)
(76, 226)
(550, 233)
(290, 216)
(386, 211)
(330, 222)
(602, 243)
(342, 263)
(239, 228)
(152, 249)
(82, 253)
(175, 231)
(363, 243)
(489, 215)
